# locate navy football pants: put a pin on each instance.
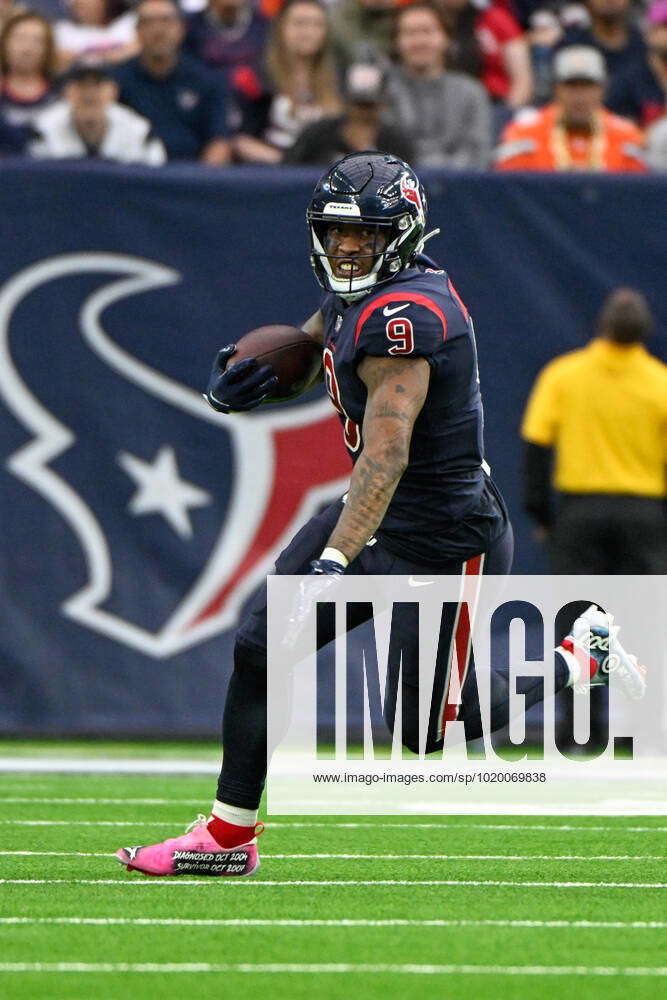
(244, 724)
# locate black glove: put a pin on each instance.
(243, 386)
(308, 594)
(326, 567)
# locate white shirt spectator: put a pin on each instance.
(95, 41)
(127, 139)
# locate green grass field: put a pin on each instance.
(455, 907)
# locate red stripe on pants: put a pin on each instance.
(462, 645)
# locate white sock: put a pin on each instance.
(233, 814)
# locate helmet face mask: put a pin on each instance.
(373, 190)
(358, 282)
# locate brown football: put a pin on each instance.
(294, 356)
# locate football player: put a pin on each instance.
(400, 366)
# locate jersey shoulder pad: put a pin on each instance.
(405, 321)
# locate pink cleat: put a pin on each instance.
(194, 853)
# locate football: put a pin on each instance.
(294, 356)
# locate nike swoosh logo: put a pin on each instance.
(419, 583)
(390, 312)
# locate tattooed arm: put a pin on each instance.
(397, 389)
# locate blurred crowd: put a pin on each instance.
(550, 85)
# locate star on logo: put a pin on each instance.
(160, 489)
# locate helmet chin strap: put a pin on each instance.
(353, 296)
(428, 236)
(349, 293)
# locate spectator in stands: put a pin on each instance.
(613, 33)
(88, 122)
(362, 30)
(641, 92)
(446, 115)
(185, 101)
(543, 34)
(610, 515)
(360, 126)
(27, 63)
(546, 22)
(301, 84)
(98, 29)
(489, 43)
(229, 35)
(575, 132)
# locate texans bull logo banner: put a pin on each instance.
(138, 521)
(157, 483)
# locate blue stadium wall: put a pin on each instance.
(117, 287)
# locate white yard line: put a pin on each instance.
(84, 822)
(108, 765)
(523, 827)
(199, 803)
(337, 968)
(55, 854)
(464, 857)
(181, 881)
(380, 857)
(33, 800)
(268, 922)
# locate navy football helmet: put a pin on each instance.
(376, 190)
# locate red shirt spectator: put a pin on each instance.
(491, 45)
(494, 28)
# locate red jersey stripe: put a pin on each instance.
(458, 299)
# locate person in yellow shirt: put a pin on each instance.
(595, 433)
(595, 430)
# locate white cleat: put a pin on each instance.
(593, 653)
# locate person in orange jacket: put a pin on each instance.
(575, 132)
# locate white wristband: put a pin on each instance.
(335, 555)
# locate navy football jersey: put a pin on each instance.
(445, 506)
